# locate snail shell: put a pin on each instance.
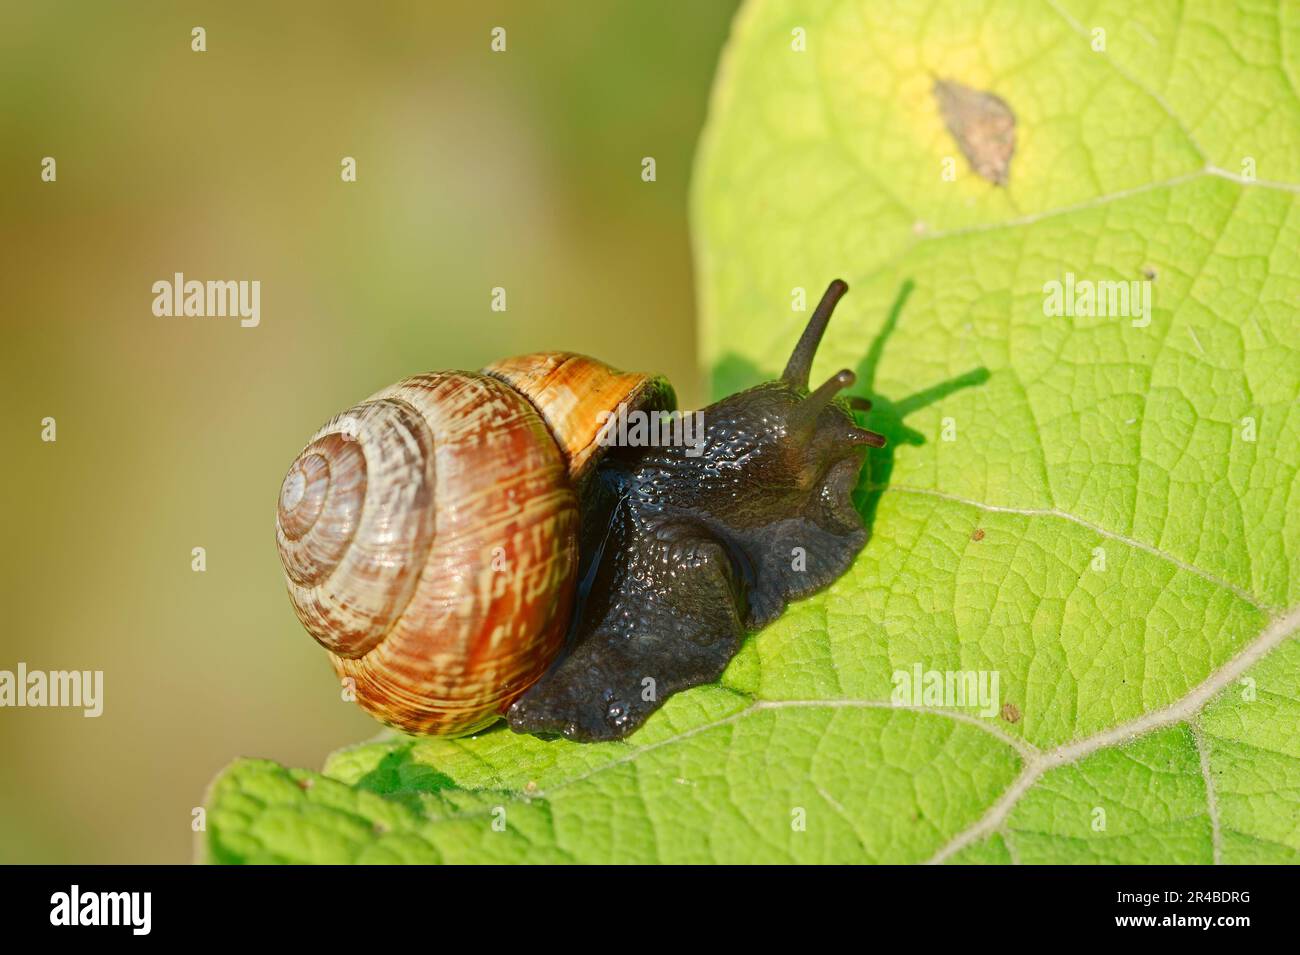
(429, 535)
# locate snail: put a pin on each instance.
(472, 546)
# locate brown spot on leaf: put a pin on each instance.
(978, 535)
(1010, 713)
(304, 783)
(983, 125)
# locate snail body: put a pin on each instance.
(468, 546)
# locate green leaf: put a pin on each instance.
(1114, 528)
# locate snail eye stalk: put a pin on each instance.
(799, 366)
(803, 419)
(869, 438)
(805, 413)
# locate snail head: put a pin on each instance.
(799, 448)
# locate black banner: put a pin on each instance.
(933, 905)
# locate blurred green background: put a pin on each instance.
(475, 169)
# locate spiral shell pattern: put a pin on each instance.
(429, 542)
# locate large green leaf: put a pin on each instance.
(1113, 528)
